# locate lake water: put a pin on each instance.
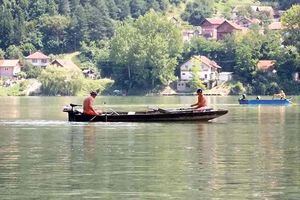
(253, 152)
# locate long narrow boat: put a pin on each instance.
(155, 115)
(279, 102)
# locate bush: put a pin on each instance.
(61, 81)
(237, 88)
(100, 85)
(31, 71)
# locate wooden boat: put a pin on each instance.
(154, 115)
(280, 102)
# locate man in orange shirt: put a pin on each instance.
(201, 104)
(88, 105)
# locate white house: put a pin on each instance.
(225, 76)
(38, 59)
(9, 68)
(208, 72)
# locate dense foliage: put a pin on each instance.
(282, 4)
(291, 22)
(144, 52)
(60, 81)
(56, 26)
(196, 11)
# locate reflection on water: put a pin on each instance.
(250, 153)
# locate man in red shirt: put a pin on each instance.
(201, 104)
(88, 105)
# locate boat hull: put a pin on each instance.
(150, 116)
(266, 102)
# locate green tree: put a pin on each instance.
(60, 81)
(31, 71)
(247, 54)
(196, 82)
(2, 53)
(52, 8)
(6, 27)
(99, 24)
(18, 26)
(176, 2)
(286, 4)
(78, 31)
(34, 37)
(74, 4)
(13, 52)
(197, 10)
(64, 7)
(37, 8)
(27, 48)
(137, 8)
(123, 10)
(288, 63)
(145, 52)
(291, 23)
(54, 30)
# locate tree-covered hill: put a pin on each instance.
(57, 26)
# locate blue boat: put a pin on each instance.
(279, 102)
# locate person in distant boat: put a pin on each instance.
(281, 95)
(201, 104)
(88, 105)
(243, 97)
(258, 98)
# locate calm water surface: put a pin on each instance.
(253, 152)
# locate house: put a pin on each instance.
(217, 28)
(38, 59)
(266, 66)
(209, 27)
(228, 27)
(9, 68)
(67, 64)
(208, 72)
(225, 76)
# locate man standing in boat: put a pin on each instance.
(88, 105)
(201, 104)
(281, 95)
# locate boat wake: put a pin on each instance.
(32, 123)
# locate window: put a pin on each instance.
(44, 60)
(6, 69)
(34, 60)
(205, 76)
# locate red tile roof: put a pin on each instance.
(265, 65)
(9, 63)
(215, 21)
(234, 25)
(37, 55)
(65, 63)
(207, 61)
